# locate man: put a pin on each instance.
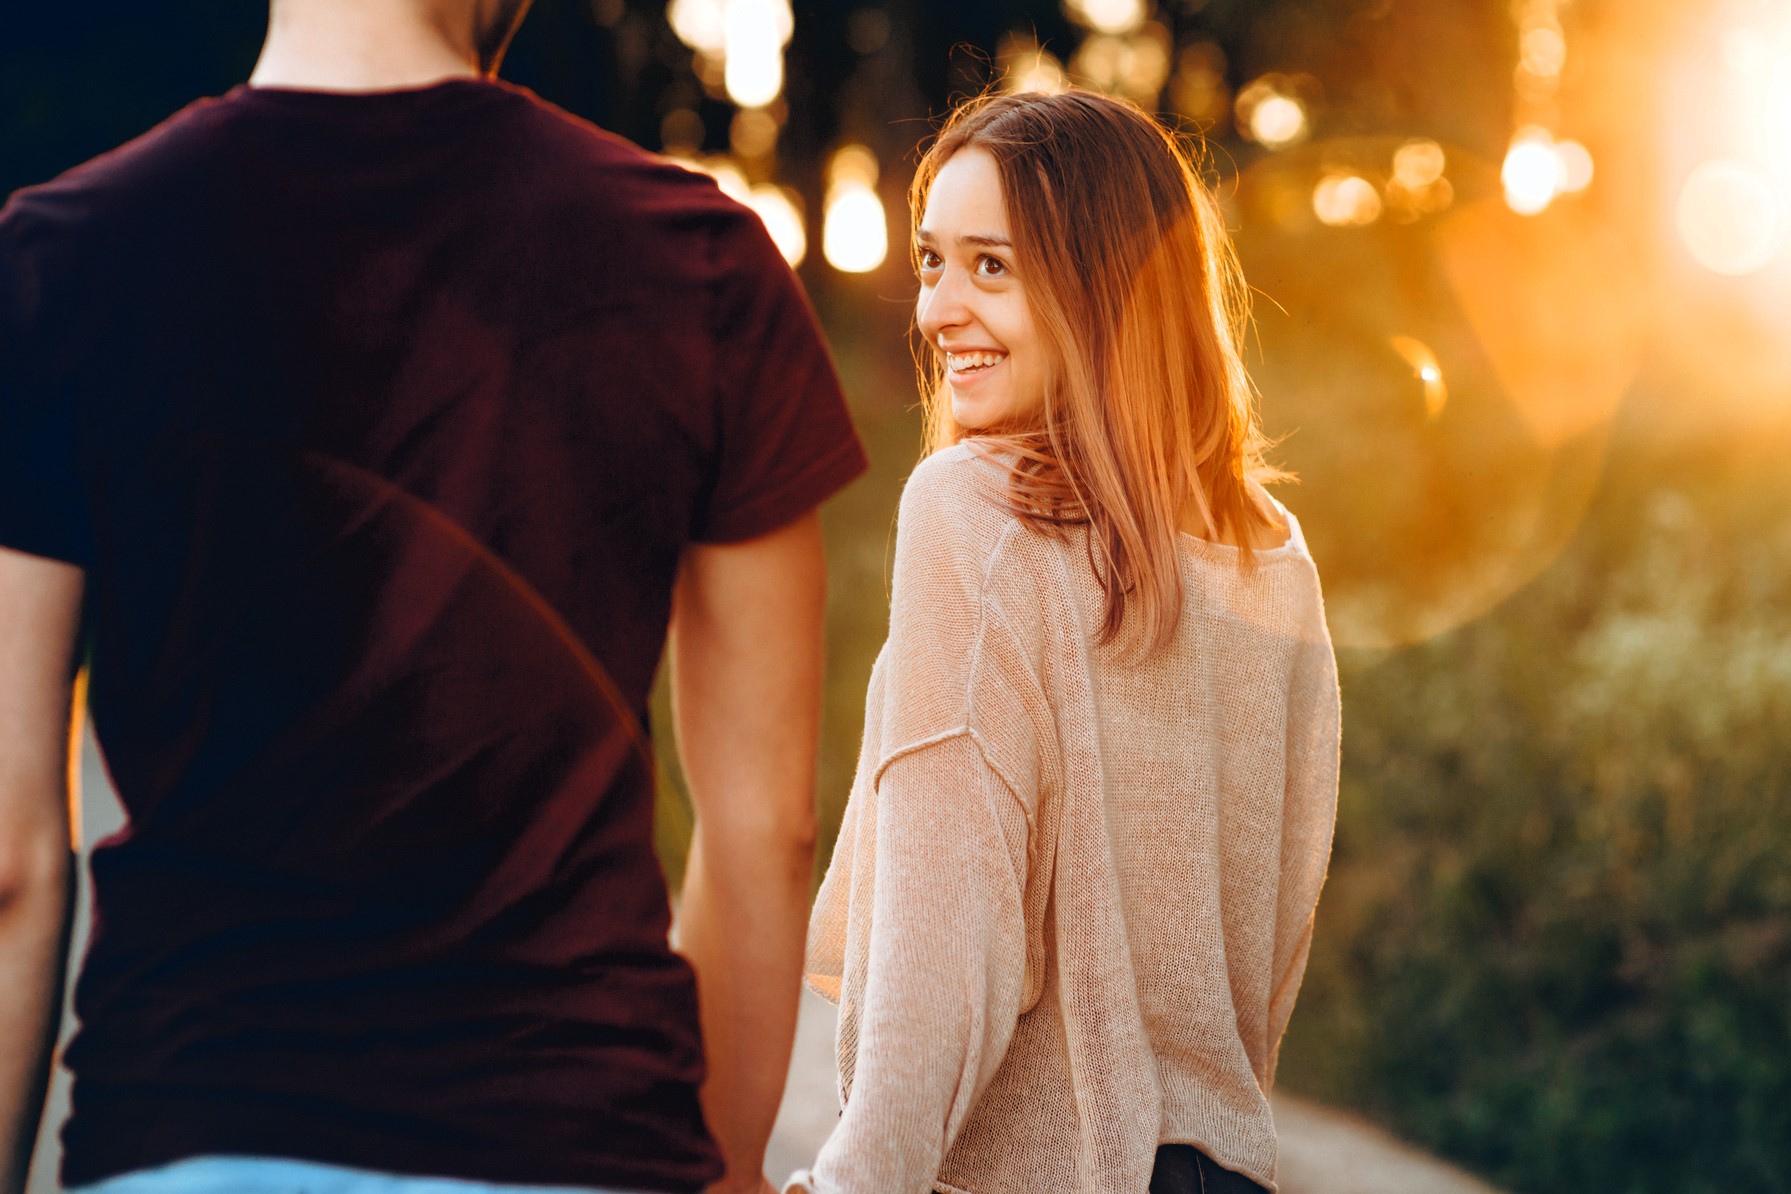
(373, 420)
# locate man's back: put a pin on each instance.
(379, 423)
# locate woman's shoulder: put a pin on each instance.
(963, 467)
(955, 508)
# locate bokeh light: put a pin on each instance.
(755, 51)
(1576, 166)
(1107, 16)
(1025, 66)
(782, 214)
(855, 230)
(1271, 114)
(1346, 200)
(700, 24)
(1418, 163)
(1730, 218)
(1544, 51)
(753, 132)
(1532, 172)
(1198, 89)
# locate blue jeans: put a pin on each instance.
(273, 1175)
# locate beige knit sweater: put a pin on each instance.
(1071, 900)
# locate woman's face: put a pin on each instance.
(972, 307)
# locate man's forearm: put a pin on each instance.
(34, 921)
(741, 924)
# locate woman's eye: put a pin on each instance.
(991, 267)
(928, 260)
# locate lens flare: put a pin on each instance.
(1424, 364)
(1278, 121)
(1730, 218)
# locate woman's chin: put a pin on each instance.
(975, 414)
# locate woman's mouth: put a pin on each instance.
(966, 366)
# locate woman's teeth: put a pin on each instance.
(969, 362)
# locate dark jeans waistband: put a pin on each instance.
(1184, 1169)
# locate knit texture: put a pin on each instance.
(1072, 895)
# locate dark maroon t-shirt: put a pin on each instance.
(378, 423)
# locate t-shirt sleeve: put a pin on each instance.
(786, 441)
(42, 508)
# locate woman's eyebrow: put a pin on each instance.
(927, 240)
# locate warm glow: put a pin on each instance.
(1344, 200)
(1039, 72)
(1023, 66)
(1730, 218)
(743, 39)
(783, 220)
(1278, 120)
(1532, 172)
(1576, 166)
(1108, 16)
(755, 54)
(1423, 361)
(726, 174)
(1544, 51)
(1145, 67)
(753, 133)
(853, 163)
(699, 24)
(855, 234)
(1417, 164)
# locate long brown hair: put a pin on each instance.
(1133, 282)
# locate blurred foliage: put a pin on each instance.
(1556, 941)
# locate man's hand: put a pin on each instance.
(746, 688)
(40, 602)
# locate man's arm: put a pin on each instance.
(40, 603)
(746, 684)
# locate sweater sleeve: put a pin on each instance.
(947, 960)
(1308, 815)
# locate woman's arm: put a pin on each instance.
(947, 956)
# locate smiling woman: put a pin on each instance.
(973, 306)
(1082, 302)
(1070, 903)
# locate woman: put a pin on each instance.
(1072, 897)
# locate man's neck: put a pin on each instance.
(359, 45)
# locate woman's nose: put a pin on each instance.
(942, 307)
